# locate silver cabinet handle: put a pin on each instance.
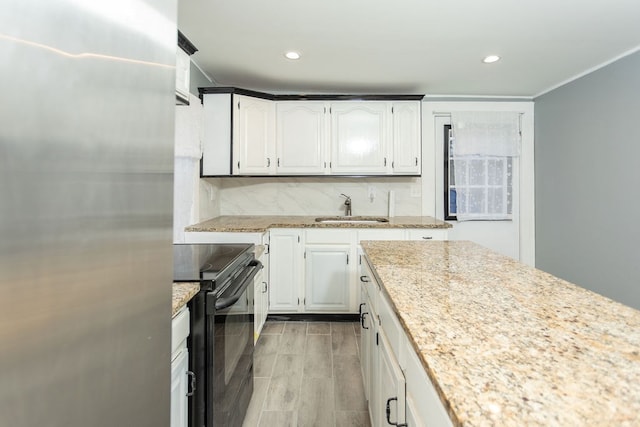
(265, 287)
(427, 237)
(268, 162)
(364, 279)
(416, 161)
(192, 383)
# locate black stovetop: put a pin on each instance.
(197, 262)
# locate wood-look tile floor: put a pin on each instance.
(308, 374)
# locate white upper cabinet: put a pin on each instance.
(251, 133)
(183, 69)
(253, 136)
(239, 135)
(406, 130)
(359, 136)
(301, 134)
(183, 65)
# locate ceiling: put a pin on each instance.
(407, 46)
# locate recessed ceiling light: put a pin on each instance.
(491, 58)
(292, 55)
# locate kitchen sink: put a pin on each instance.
(351, 219)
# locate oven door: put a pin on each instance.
(232, 358)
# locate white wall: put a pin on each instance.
(193, 198)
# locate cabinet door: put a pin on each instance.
(217, 132)
(183, 65)
(285, 266)
(391, 397)
(327, 278)
(406, 137)
(179, 389)
(253, 136)
(260, 306)
(301, 138)
(422, 399)
(427, 234)
(366, 330)
(413, 418)
(359, 137)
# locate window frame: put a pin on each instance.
(508, 187)
(447, 187)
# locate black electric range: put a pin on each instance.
(221, 336)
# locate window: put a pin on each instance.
(479, 185)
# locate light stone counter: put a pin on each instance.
(506, 344)
(258, 223)
(182, 294)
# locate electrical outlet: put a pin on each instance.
(372, 193)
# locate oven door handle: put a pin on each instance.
(233, 294)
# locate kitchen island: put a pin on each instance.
(506, 344)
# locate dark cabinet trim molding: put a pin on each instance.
(302, 97)
(185, 44)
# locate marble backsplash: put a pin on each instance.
(315, 196)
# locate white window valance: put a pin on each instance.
(486, 133)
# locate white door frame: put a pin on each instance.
(430, 157)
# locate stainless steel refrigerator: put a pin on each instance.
(86, 171)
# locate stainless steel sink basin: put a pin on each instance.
(351, 219)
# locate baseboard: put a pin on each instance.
(314, 317)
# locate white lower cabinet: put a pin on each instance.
(397, 387)
(260, 300)
(180, 369)
(426, 408)
(391, 397)
(179, 390)
(315, 270)
(327, 278)
(413, 419)
(285, 270)
(366, 331)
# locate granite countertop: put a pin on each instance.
(182, 294)
(506, 344)
(259, 223)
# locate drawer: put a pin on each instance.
(369, 282)
(426, 234)
(331, 235)
(386, 234)
(390, 324)
(180, 329)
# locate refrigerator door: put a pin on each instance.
(86, 171)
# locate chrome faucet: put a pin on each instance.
(347, 205)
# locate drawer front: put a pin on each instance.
(390, 324)
(426, 234)
(331, 235)
(179, 329)
(387, 234)
(368, 280)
